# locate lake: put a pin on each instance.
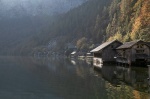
(53, 78)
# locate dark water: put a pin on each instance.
(47, 78)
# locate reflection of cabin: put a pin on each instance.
(148, 59)
(89, 57)
(133, 52)
(110, 74)
(105, 52)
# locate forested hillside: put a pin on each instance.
(129, 20)
(95, 22)
(91, 23)
(22, 20)
(84, 25)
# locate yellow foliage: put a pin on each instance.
(142, 21)
(145, 14)
(135, 24)
(126, 38)
(117, 36)
(110, 38)
(135, 29)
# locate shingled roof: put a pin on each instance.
(74, 52)
(102, 46)
(127, 45)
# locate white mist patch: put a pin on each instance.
(35, 7)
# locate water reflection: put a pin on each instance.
(73, 61)
(128, 82)
(59, 78)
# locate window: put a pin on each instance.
(139, 46)
(139, 51)
(97, 54)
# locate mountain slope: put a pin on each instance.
(20, 20)
(70, 27)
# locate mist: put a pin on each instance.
(36, 7)
(24, 20)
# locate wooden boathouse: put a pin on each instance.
(73, 54)
(134, 52)
(105, 52)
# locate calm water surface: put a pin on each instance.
(49, 78)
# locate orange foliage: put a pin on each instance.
(145, 13)
(142, 21)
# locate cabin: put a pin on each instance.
(148, 59)
(133, 52)
(105, 52)
(69, 49)
(81, 55)
(89, 55)
(74, 54)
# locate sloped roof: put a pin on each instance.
(103, 46)
(127, 45)
(74, 52)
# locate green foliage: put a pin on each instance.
(127, 38)
(144, 34)
(117, 36)
(82, 44)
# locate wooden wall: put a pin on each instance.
(109, 52)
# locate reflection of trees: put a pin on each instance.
(59, 76)
(140, 95)
(119, 92)
(126, 82)
(138, 78)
